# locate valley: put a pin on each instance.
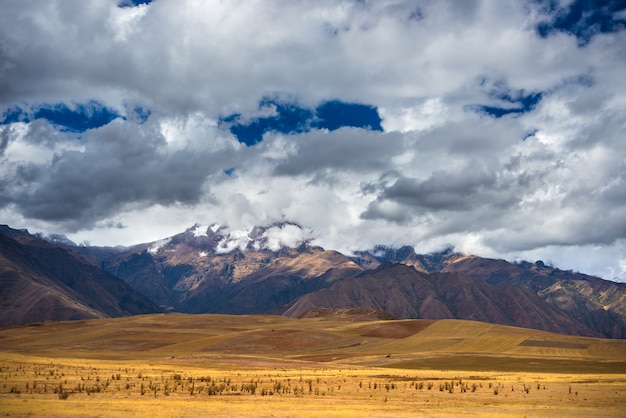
(254, 328)
(339, 363)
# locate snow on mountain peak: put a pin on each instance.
(200, 230)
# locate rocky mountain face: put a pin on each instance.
(41, 281)
(277, 270)
(598, 304)
(408, 293)
(208, 270)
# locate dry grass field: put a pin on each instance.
(263, 366)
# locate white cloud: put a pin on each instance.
(548, 181)
(157, 245)
(123, 21)
(423, 116)
(235, 240)
(287, 235)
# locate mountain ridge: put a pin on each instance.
(278, 270)
(414, 294)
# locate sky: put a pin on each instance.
(495, 127)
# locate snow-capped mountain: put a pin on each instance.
(277, 269)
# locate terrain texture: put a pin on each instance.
(210, 270)
(334, 363)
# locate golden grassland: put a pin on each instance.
(217, 365)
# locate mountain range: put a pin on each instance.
(208, 269)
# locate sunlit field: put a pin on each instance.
(216, 365)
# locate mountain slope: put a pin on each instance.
(40, 281)
(407, 293)
(193, 271)
(596, 303)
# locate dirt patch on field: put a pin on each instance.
(553, 344)
(227, 362)
(400, 329)
(131, 341)
(274, 341)
(512, 364)
(323, 358)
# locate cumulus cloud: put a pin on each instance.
(502, 123)
(287, 235)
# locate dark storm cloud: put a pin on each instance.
(442, 190)
(471, 188)
(349, 149)
(113, 167)
(4, 140)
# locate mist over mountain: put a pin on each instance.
(208, 269)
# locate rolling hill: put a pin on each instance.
(334, 363)
(334, 338)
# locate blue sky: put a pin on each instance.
(493, 127)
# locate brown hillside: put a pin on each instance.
(249, 340)
(188, 273)
(40, 281)
(407, 293)
(352, 314)
(598, 304)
